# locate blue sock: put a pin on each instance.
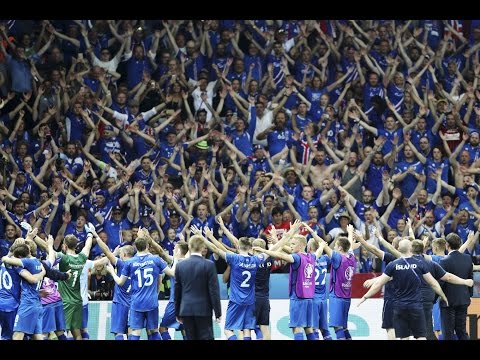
(298, 336)
(70, 338)
(185, 337)
(119, 337)
(311, 336)
(326, 334)
(61, 337)
(340, 334)
(440, 337)
(133, 337)
(165, 336)
(455, 337)
(247, 338)
(317, 335)
(347, 334)
(233, 337)
(85, 336)
(156, 336)
(258, 334)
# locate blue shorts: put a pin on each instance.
(387, 314)
(85, 316)
(320, 314)
(338, 312)
(143, 319)
(28, 319)
(53, 317)
(301, 313)
(119, 318)
(240, 317)
(409, 322)
(169, 320)
(437, 320)
(7, 319)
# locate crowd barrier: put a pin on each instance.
(279, 285)
(364, 322)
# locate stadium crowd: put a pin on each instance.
(235, 128)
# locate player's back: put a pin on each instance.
(242, 278)
(262, 279)
(70, 288)
(10, 288)
(121, 294)
(321, 269)
(407, 279)
(30, 292)
(144, 271)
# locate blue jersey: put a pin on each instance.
(9, 288)
(113, 229)
(321, 267)
(5, 247)
(409, 183)
(252, 229)
(407, 276)
(209, 221)
(171, 298)
(396, 95)
(144, 271)
(169, 245)
(81, 235)
(146, 178)
(242, 277)
(30, 292)
(278, 139)
(19, 218)
(75, 126)
(302, 206)
(121, 294)
(428, 295)
(431, 168)
(390, 135)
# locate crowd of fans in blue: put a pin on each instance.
(164, 124)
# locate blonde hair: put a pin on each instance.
(196, 244)
(32, 246)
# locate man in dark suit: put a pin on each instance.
(454, 316)
(197, 293)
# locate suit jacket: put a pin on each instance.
(460, 265)
(197, 292)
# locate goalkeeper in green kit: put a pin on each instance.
(70, 289)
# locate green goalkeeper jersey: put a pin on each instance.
(70, 289)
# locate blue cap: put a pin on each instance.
(101, 193)
(170, 130)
